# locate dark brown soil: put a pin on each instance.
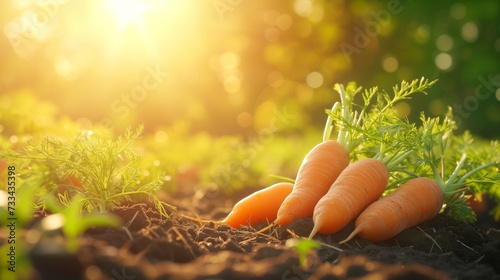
(150, 247)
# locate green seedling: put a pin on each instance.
(303, 247)
(73, 222)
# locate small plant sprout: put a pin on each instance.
(303, 247)
(73, 222)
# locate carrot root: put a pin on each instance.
(352, 235)
(314, 231)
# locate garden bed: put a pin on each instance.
(149, 247)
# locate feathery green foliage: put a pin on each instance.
(373, 128)
(95, 167)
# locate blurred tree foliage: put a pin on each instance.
(232, 67)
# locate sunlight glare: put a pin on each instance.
(128, 11)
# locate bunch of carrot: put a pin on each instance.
(335, 191)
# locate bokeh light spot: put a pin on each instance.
(405, 73)
(443, 61)
(244, 119)
(232, 84)
(284, 22)
(4, 197)
(317, 13)
(229, 60)
(271, 17)
(93, 272)
(390, 64)
(53, 222)
(497, 94)
(33, 236)
(444, 42)
(66, 68)
(277, 54)
(272, 34)
(161, 136)
(263, 114)
(314, 79)
(403, 109)
(424, 31)
(422, 34)
(13, 139)
(437, 107)
(303, 7)
(458, 11)
(470, 32)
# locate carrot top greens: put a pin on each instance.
(100, 170)
(364, 128)
(458, 163)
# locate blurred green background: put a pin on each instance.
(235, 67)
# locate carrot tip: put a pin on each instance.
(351, 236)
(313, 232)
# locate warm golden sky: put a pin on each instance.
(228, 65)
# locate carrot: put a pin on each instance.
(322, 165)
(360, 184)
(70, 182)
(375, 128)
(319, 169)
(421, 199)
(416, 201)
(261, 206)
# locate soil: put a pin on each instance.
(152, 247)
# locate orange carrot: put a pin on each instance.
(360, 184)
(414, 202)
(319, 169)
(69, 182)
(258, 207)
